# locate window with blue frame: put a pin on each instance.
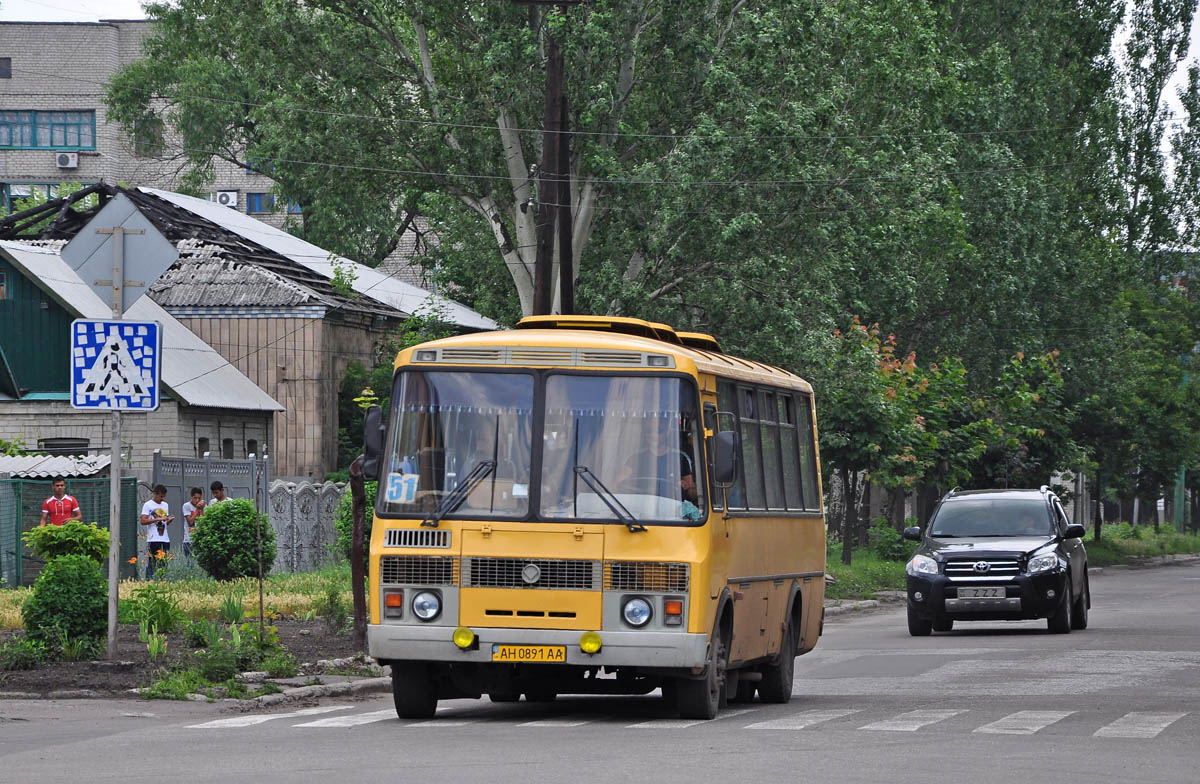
(32, 130)
(260, 202)
(293, 208)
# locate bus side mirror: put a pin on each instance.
(726, 451)
(912, 533)
(373, 434)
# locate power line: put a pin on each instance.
(539, 131)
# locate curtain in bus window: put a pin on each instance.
(634, 437)
(788, 445)
(808, 455)
(453, 427)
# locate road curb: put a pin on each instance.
(343, 689)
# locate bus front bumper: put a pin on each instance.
(618, 649)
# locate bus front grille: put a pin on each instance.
(646, 576)
(418, 570)
(530, 573)
(417, 537)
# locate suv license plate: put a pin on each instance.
(529, 653)
(981, 593)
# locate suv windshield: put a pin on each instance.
(445, 426)
(634, 437)
(991, 517)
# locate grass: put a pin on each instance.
(866, 574)
(289, 595)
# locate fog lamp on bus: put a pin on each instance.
(427, 605)
(589, 642)
(673, 612)
(463, 638)
(393, 604)
(636, 612)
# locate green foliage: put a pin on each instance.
(71, 538)
(281, 665)
(335, 611)
(225, 544)
(343, 520)
(231, 608)
(866, 575)
(176, 685)
(22, 653)
(70, 594)
(60, 645)
(887, 544)
(1139, 542)
(156, 605)
(202, 634)
(15, 446)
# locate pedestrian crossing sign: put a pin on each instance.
(115, 364)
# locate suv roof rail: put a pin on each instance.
(952, 491)
(1044, 489)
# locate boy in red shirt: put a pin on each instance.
(60, 507)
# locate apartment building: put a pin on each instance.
(54, 126)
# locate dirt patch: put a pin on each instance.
(308, 641)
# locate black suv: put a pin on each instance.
(998, 555)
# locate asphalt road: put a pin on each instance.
(1004, 702)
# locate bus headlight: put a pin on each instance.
(426, 605)
(637, 612)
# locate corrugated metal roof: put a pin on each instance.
(367, 282)
(39, 466)
(216, 282)
(191, 368)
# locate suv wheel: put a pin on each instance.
(1079, 612)
(918, 626)
(1060, 622)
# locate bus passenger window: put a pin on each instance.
(770, 452)
(788, 447)
(808, 457)
(752, 453)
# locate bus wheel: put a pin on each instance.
(700, 698)
(776, 683)
(413, 690)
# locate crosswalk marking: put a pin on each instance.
(1139, 724)
(912, 721)
(1024, 722)
(554, 723)
(679, 724)
(443, 723)
(352, 720)
(799, 721)
(249, 721)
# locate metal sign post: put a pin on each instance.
(115, 364)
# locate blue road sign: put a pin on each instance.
(115, 364)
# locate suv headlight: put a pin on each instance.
(1042, 563)
(921, 564)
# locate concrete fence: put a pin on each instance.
(302, 516)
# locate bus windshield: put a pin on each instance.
(449, 425)
(623, 442)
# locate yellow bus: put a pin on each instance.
(592, 505)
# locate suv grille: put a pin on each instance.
(418, 570)
(996, 567)
(510, 573)
(646, 576)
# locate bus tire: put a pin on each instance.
(776, 683)
(413, 690)
(701, 698)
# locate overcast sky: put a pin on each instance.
(94, 10)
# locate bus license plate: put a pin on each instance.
(980, 593)
(530, 653)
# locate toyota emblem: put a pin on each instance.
(982, 567)
(531, 573)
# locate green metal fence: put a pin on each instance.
(21, 509)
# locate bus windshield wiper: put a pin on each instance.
(455, 497)
(610, 499)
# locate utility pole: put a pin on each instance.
(114, 466)
(554, 184)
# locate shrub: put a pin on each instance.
(231, 610)
(22, 653)
(343, 520)
(71, 538)
(69, 594)
(281, 665)
(335, 611)
(176, 686)
(60, 645)
(225, 542)
(202, 634)
(156, 606)
(885, 541)
(217, 665)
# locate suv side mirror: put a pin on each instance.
(725, 457)
(1074, 531)
(373, 432)
(912, 533)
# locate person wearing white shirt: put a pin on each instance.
(191, 510)
(156, 516)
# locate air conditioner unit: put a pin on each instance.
(67, 160)
(227, 198)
